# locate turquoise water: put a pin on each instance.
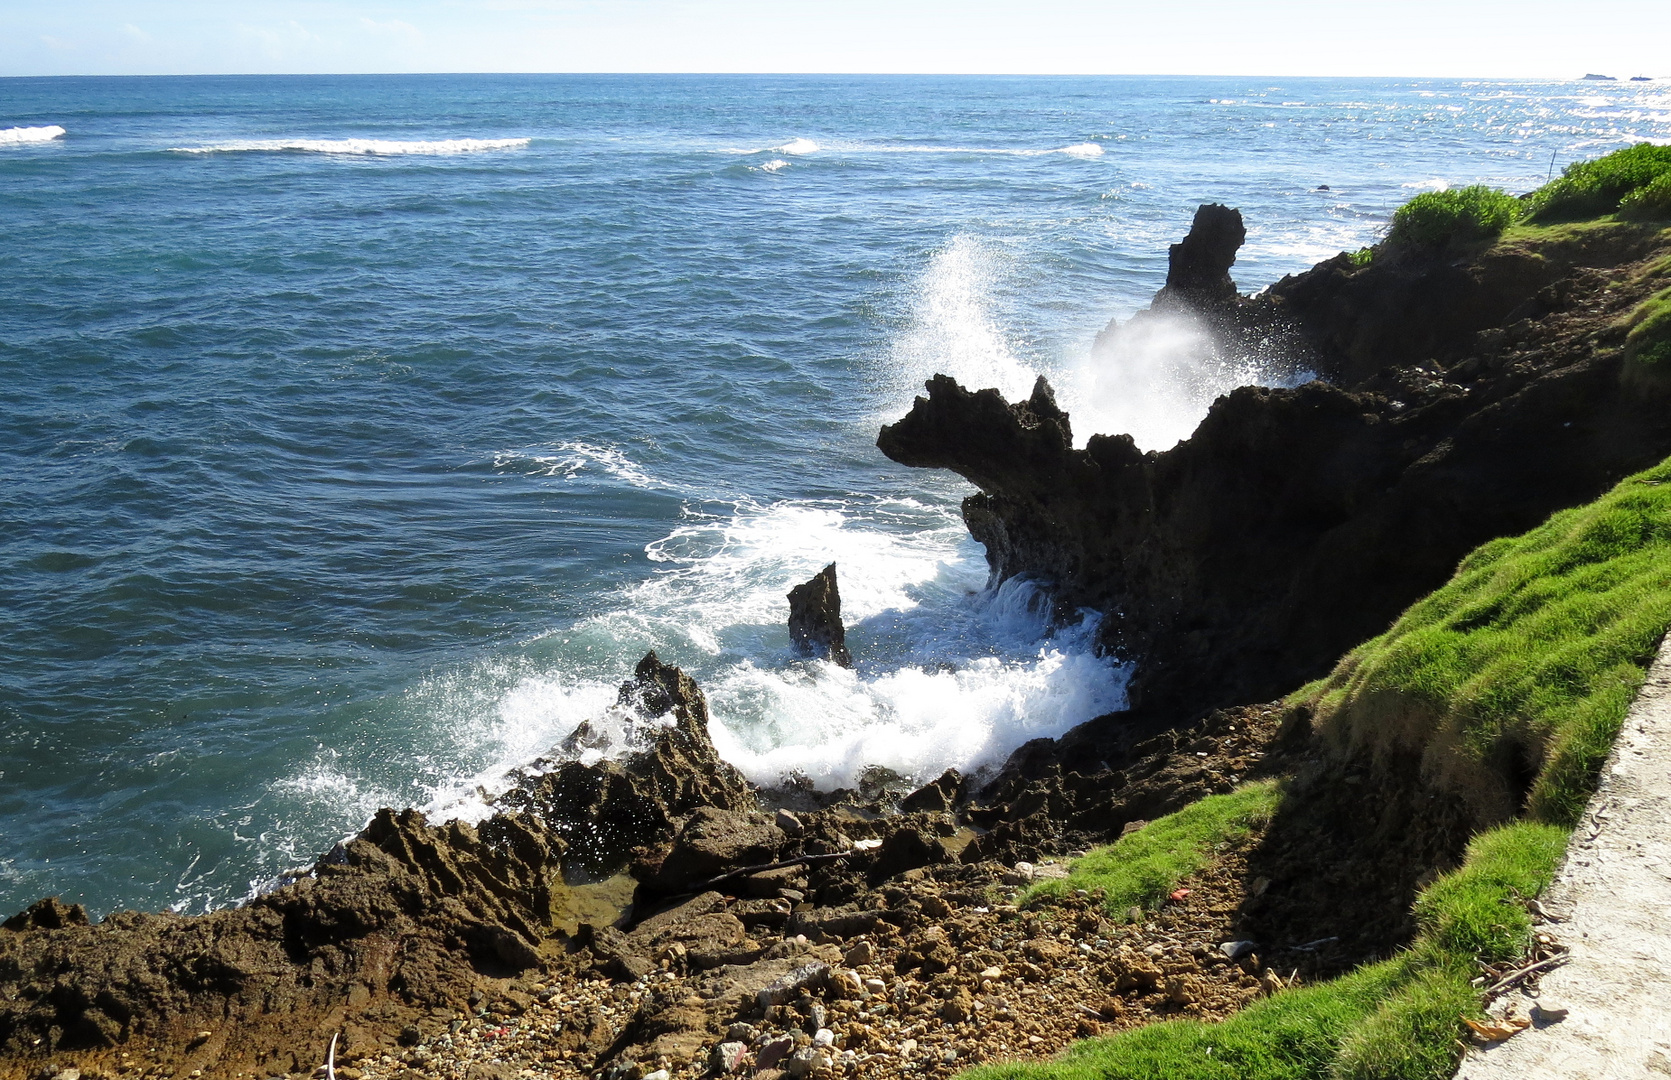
(358, 434)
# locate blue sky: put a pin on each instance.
(1530, 38)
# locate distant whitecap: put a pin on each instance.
(19, 135)
(375, 147)
(797, 146)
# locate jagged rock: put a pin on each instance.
(1199, 268)
(946, 793)
(715, 841)
(906, 849)
(815, 618)
(1298, 522)
(614, 807)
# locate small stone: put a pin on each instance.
(728, 1057)
(823, 1037)
(993, 972)
(1020, 874)
(788, 822)
(816, 1015)
(874, 985)
(907, 1048)
(861, 954)
(1548, 1011)
(659, 1074)
(67, 1074)
(846, 985)
(773, 1051)
(805, 1061)
(741, 1032)
(1235, 950)
(1134, 914)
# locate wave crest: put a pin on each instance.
(373, 147)
(19, 135)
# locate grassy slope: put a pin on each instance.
(1522, 666)
(1140, 869)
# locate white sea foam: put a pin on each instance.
(807, 146)
(570, 460)
(774, 165)
(948, 674)
(952, 330)
(19, 135)
(373, 147)
(1435, 184)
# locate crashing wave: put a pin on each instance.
(19, 135)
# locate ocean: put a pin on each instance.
(359, 434)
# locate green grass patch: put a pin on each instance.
(1512, 680)
(1587, 189)
(1395, 1020)
(1439, 219)
(1361, 257)
(1649, 340)
(1142, 868)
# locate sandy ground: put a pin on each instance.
(1611, 905)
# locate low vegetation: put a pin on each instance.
(1649, 340)
(1143, 867)
(1438, 219)
(1649, 203)
(1513, 679)
(1587, 189)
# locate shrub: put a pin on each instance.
(1650, 202)
(1437, 219)
(1592, 188)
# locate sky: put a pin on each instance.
(1420, 38)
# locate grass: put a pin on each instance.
(1438, 219)
(1587, 189)
(1514, 675)
(1395, 1020)
(1142, 868)
(1649, 340)
(1512, 679)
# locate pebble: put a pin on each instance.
(728, 1057)
(1235, 950)
(1549, 1011)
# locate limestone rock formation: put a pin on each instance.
(815, 618)
(1297, 522)
(609, 809)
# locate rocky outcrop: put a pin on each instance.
(1295, 523)
(1198, 267)
(403, 920)
(609, 810)
(815, 618)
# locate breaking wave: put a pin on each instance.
(19, 135)
(373, 147)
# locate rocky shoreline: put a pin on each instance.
(654, 912)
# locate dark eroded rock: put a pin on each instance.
(815, 618)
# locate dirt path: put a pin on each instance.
(1612, 900)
